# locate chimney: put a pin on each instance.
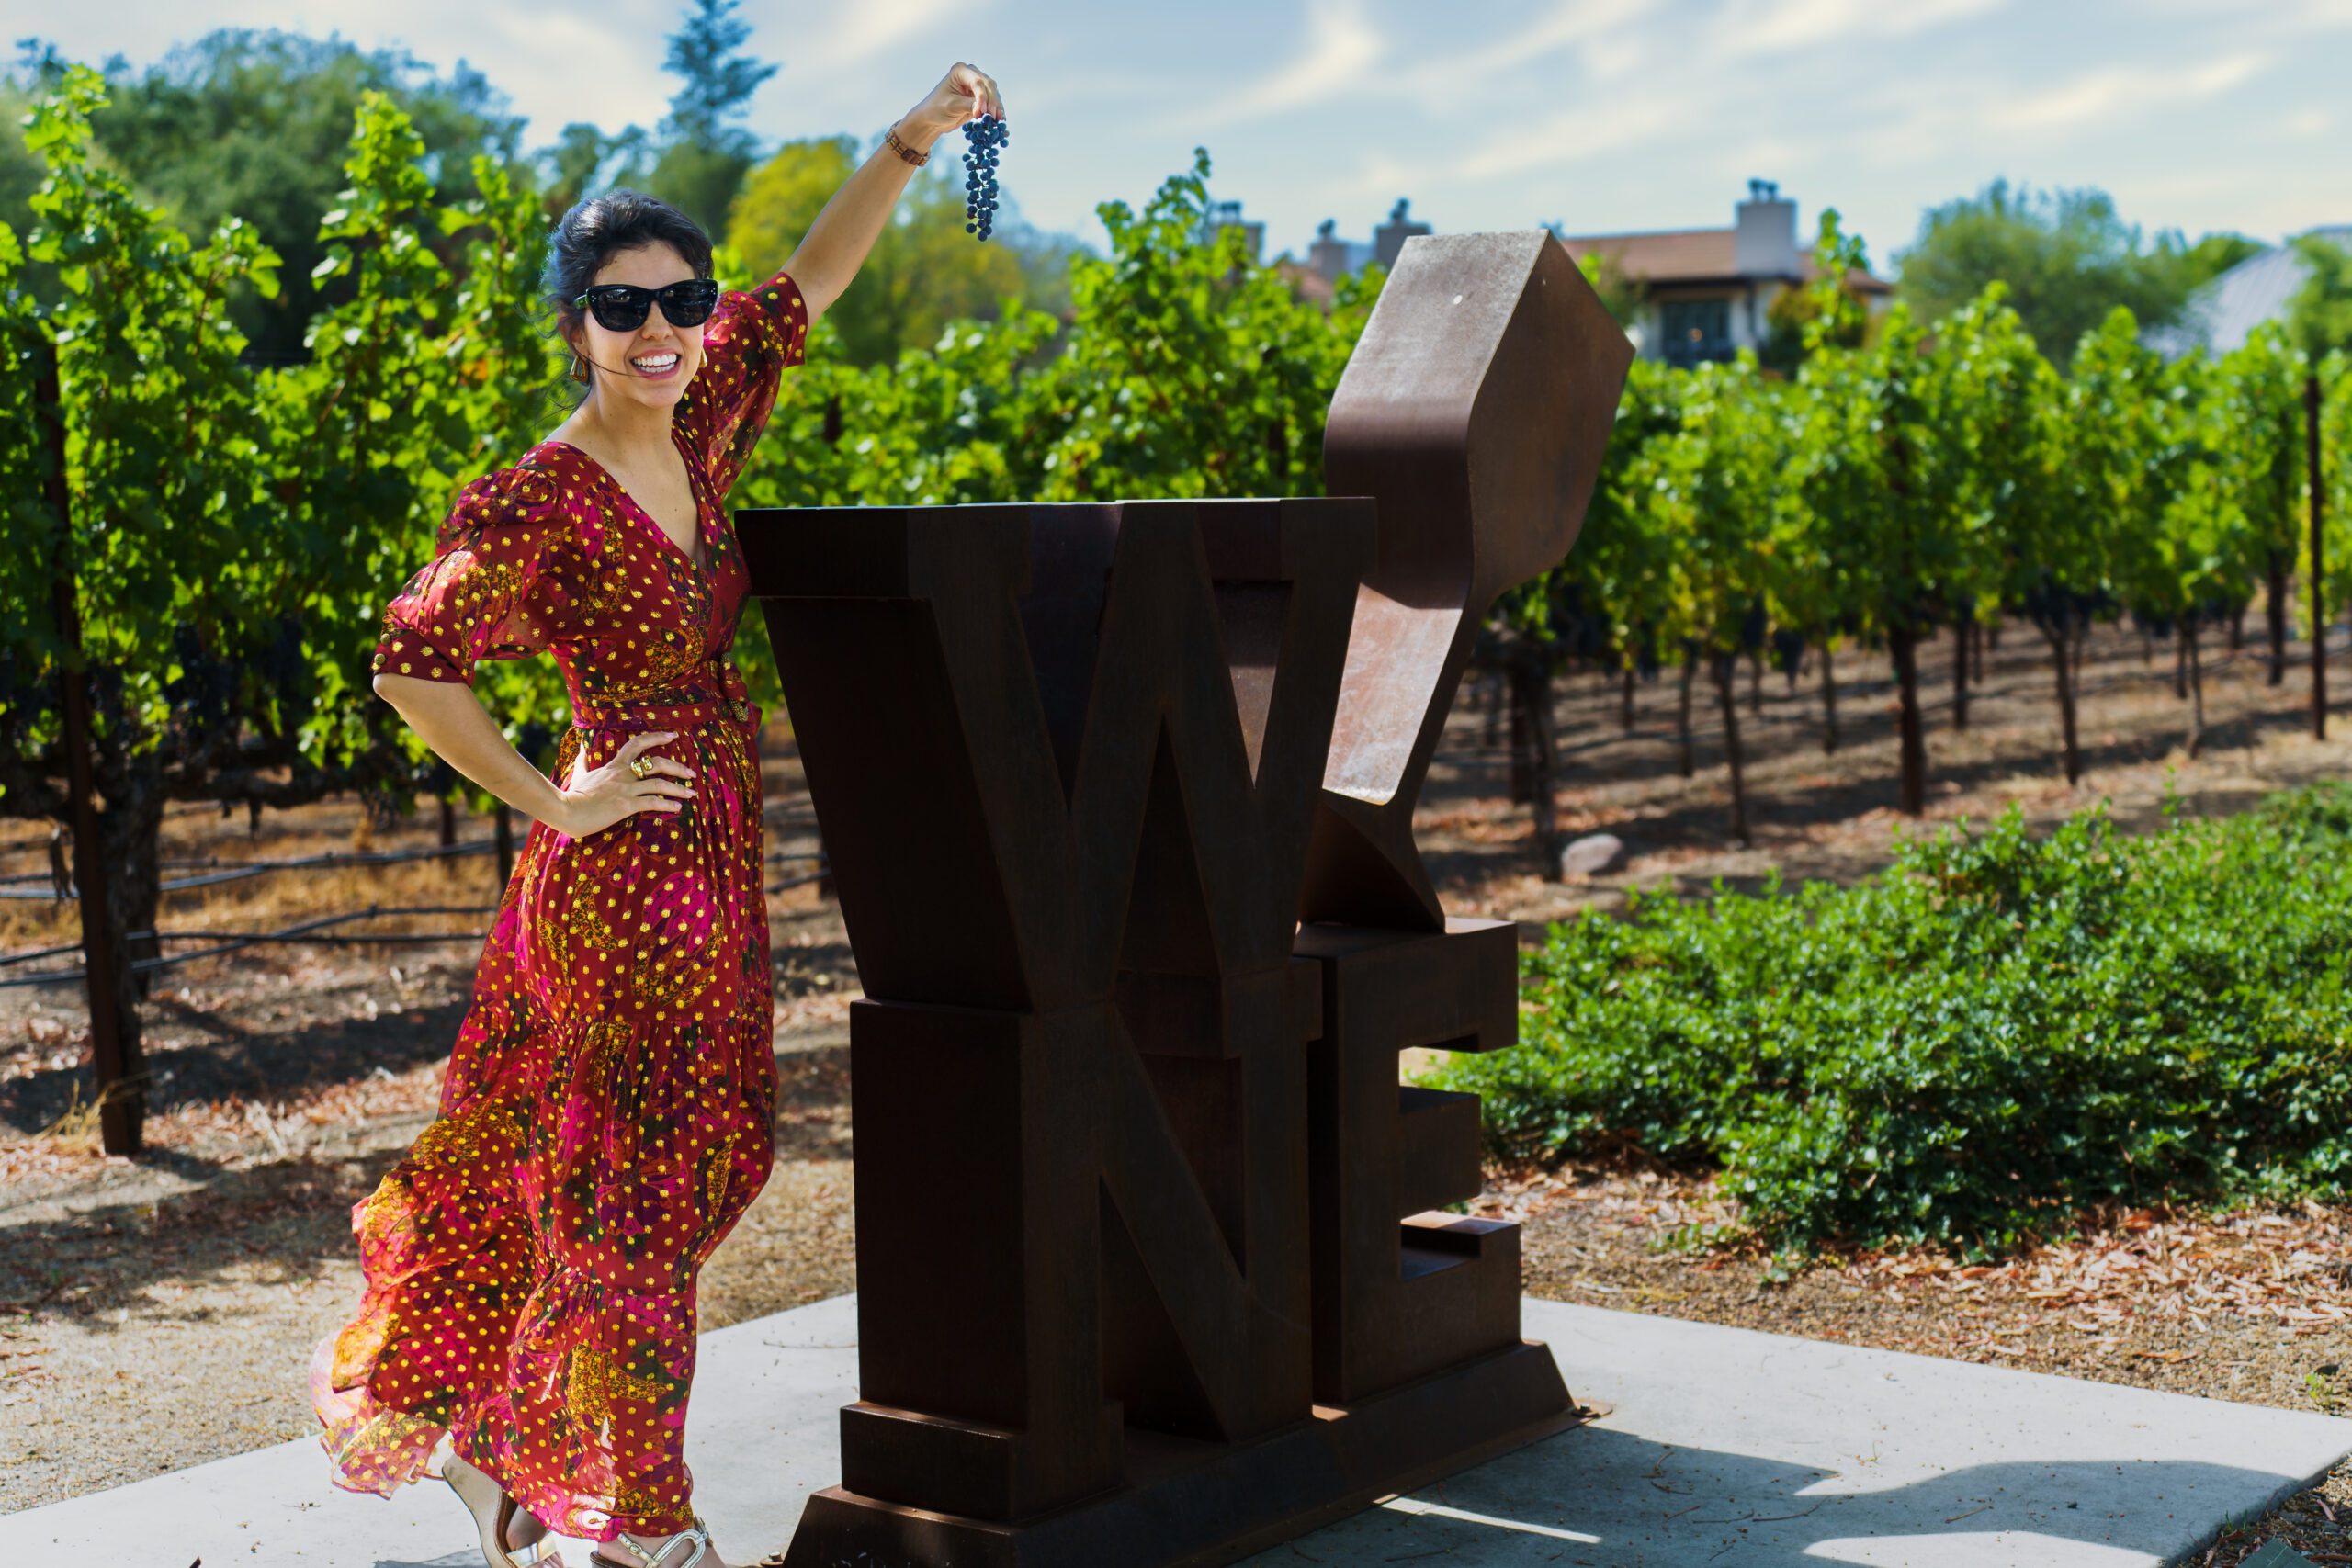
(1223, 215)
(1388, 239)
(1328, 253)
(1764, 234)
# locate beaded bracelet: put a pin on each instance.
(903, 151)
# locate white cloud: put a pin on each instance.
(2273, 18)
(866, 30)
(1604, 33)
(1569, 137)
(1762, 26)
(1717, 99)
(2112, 91)
(1341, 48)
(629, 85)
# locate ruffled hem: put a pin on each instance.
(374, 1448)
(370, 1447)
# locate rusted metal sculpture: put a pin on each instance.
(1151, 1265)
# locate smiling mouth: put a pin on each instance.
(655, 366)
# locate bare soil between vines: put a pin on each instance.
(158, 1312)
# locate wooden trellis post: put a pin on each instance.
(2319, 568)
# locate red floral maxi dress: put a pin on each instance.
(608, 1111)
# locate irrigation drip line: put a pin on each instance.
(1490, 757)
(310, 932)
(776, 809)
(170, 809)
(255, 868)
(303, 932)
(263, 868)
(62, 948)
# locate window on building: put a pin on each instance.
(1693, 330)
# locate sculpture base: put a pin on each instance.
(1189, 1503)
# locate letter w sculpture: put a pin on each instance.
(1151, 1261)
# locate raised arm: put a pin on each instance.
(837, 243)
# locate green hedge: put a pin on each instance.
(1994, 1033)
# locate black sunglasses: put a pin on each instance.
(621, 307)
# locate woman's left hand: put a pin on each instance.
(965, 93)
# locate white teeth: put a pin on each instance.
(655, 362)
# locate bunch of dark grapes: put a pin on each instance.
(988, 136)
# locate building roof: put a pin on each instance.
(2220, 316)
(1662, 256)
(1306, 283)
(1689, 255)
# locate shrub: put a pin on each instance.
(1995, 1033)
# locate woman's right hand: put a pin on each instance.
(595, 798)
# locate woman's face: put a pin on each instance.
(653, 364)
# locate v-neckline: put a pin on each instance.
(694, 484)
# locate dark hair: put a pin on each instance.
(598, 228)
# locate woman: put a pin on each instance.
(608, 1108)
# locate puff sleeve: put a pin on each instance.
(751, 338)
(477, 598)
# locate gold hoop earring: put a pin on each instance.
(579, 366)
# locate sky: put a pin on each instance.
(1603, 116)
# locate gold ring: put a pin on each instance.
(642, 766)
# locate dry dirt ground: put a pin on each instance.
(156, 1313)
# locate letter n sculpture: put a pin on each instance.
(1153, 1263)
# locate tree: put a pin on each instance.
(1873, 461)
(2117, 438)
(706, 150)
(1622, 571)
(229, 529)
(1872, 465)
(1830, 312)
(585, 158)
(2262, 448)
(253, 124)
(1190, 371)
(706, 54)
(2208, 257)
(2319, 321)
(1717, 495)
(20, 170)
(2005, 409)
(1620, 295)
(2196, 565)
(1809, 599)
(1811, 595)
(924, 270)
(2066, 255)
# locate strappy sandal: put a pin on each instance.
(494, 1513)
(697, 1532)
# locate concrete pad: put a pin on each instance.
(1728, 1446)
(1722, 1445)
(761, 1431)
